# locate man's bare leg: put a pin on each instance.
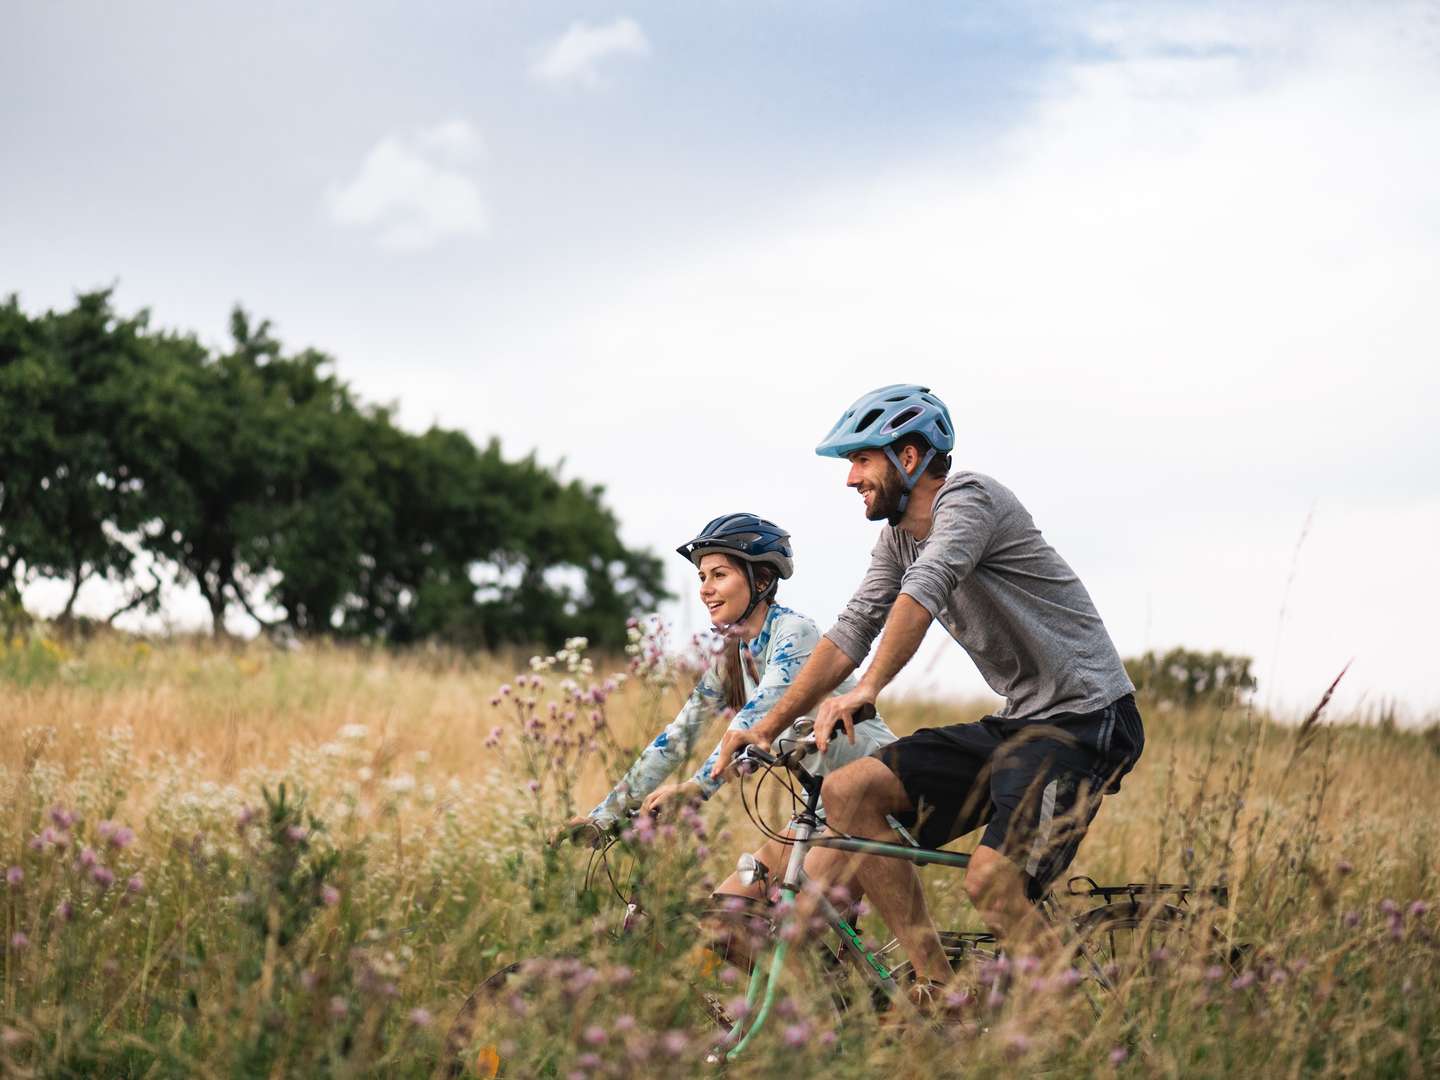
(996, 887)
(857, 798)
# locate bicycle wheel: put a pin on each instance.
(473, 1045)
(1119, 943)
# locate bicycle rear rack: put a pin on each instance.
(1088, 886)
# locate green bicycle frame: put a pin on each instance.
(879, 973)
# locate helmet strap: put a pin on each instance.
(908, 479)
(756, 596)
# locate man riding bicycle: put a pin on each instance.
(961, 549)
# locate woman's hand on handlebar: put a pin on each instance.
(733, 741)
(843, 709)
(581, 829)
(669, 797)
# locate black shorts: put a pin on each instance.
(1034, 784)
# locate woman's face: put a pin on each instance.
(724, 590)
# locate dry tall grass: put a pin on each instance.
(242, 939)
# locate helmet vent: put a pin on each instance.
(900, 419)
(868, 419)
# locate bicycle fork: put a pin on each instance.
(803, 828)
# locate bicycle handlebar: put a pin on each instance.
(790, 757)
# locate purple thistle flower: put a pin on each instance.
(88, 858)
(104, 829)
(1119, 1055)
(674, 1043)
(1419, 909)
(339, 1007)
(624, 1022)
(796, 1035)
(594, 1035)
(329, 895)
(1018, 1044)
(505, 690)
(65, 911)
(420, 1017)
(1389, 907)
(15, 875)
(589, 1061)
(122, 837)
(62, 817)
(1344, 866)
(36, 843)
(103, 876)
(296, 833)
(1351, 919)
(19, 942)
(136, 885)
(1214, 973)
(1244, 981)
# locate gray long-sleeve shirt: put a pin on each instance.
(1004, 594)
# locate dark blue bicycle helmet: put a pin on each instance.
(751, 539)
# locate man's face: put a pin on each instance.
(872, 475)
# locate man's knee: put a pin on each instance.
(866, 782)
(992, 880)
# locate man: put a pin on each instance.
(963, 550)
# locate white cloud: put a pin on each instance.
(411, 191)
(574, 57)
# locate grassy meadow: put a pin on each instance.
(240, 861)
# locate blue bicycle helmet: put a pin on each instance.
(880, 417)
(750, 539)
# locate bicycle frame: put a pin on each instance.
(803, 828)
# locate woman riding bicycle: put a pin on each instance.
(740, 559)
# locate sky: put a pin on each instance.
(1173, 267)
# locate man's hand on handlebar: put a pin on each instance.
(846, 709)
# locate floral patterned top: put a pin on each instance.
(777, 654)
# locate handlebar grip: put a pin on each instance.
(865, 712)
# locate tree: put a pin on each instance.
(1186, 678)
(261, 478)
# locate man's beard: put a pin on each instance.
(885, 498)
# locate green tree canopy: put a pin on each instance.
(259, 477)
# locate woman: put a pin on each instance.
(740, 559)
